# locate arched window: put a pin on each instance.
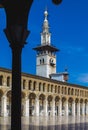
(68, 91)
(72, 91)
(1, 80)
(43, 87)
(43, 60)
(24, 84)
(51, 88)
(65, 90)
(8, 81)
(58, 89)
(34, 86)
(55, 89)
(40, 61)
(30, 85)
(39, 86)
(48, 88)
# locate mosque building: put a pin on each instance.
(47, 93)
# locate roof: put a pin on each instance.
(57, 74)
(46, 47)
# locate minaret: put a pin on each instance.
(46, 53)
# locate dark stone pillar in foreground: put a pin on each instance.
(16, 33)
(16, 47)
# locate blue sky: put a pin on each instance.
(69, 27)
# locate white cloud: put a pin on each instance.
(83, 78)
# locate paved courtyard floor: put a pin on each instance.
(48, 123)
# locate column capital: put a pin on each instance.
(17, 36)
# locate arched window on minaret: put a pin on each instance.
(43, 60)
(40, 61)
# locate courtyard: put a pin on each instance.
(48, 123)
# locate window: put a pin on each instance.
(24, 84)
(8, 81)
(1, 80)
(29, 85)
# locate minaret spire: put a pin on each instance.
(45, 35)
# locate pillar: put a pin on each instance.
(26, 107)
(83, 109)
(73, 108)
(86, 108)
(66, 108)
(78, 109)
(53, 107)
(4, 106)
(37, 106)
(45, 107)
(60, 108)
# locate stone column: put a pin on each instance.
(87, 108)
(26, 107)
(53, 107)
(66, 108)
(60, 108)
(4, 106)
(37, 106)
(73, 108)
(83, 109)
(45, 107)
(78, 109)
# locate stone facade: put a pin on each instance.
(43, 96)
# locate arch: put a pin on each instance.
(42, 97)
(9, 94)
(57, 98)
(63, 99)
(70, 100)
(49, 98)
(23, 95)
(81, 100)
(32, 96)
(76, 100)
